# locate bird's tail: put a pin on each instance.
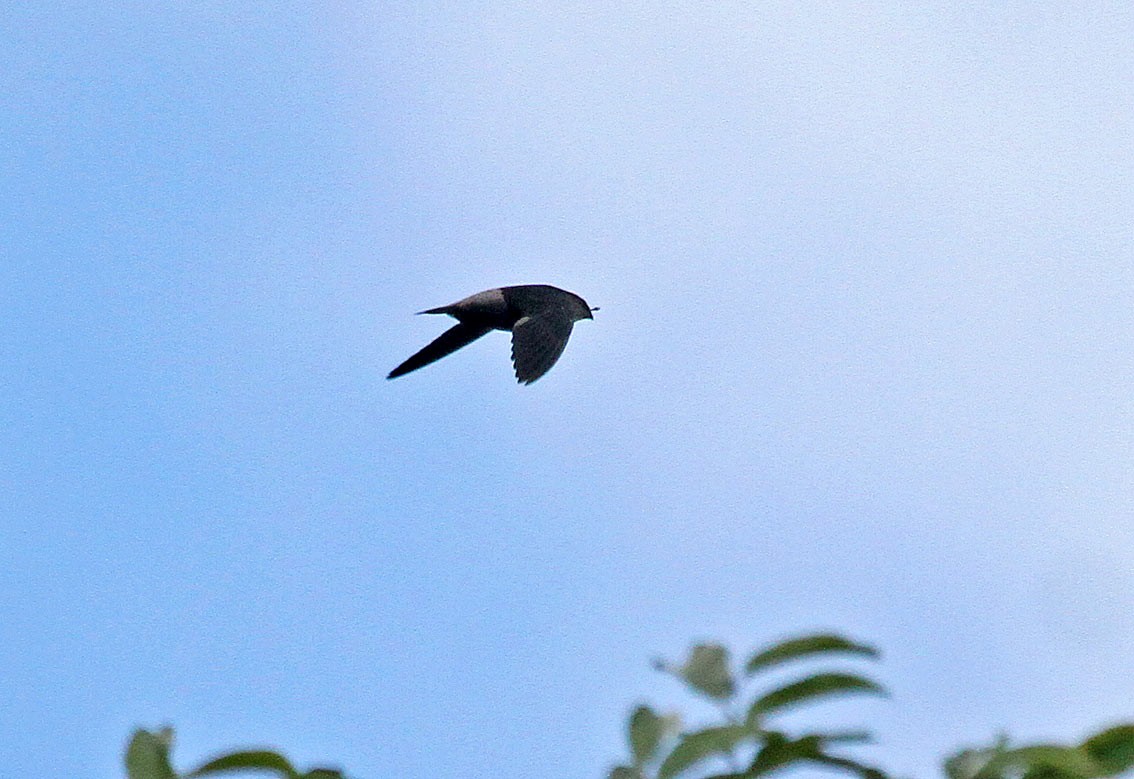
(448, 342)
(438, 310)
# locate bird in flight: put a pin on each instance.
(539, 316)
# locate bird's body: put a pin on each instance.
(539, 316)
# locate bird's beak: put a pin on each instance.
(596, 308)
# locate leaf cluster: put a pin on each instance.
(745, 740)
(1107, 753)
(148, 757)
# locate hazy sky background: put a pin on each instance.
(863, 363)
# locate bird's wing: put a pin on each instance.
(537, 342)
(448, 342)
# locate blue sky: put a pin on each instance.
(863, 363)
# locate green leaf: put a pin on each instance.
(966, 764)
(646, 731)
(969, 763)
(250, 760)
(1113, 749)
(624, 772)
(846, 737)
(700, 745)
(778, 751)
(323, 773)
(147, 756)
(1044, 772)
(855, 767)
(706, 671)
(804, 646)
(810, 688)
(1068, 761)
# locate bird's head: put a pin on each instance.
(580, 309)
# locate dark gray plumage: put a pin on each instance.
(540, 318)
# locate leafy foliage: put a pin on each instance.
(147, 757)
(1108, 753)
(746, 745)
(1112, 749)
(811, 688)
(706, 671)
(701, 745)
(647, 729)
(625, 772)
(779, 751)
(805, 646)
